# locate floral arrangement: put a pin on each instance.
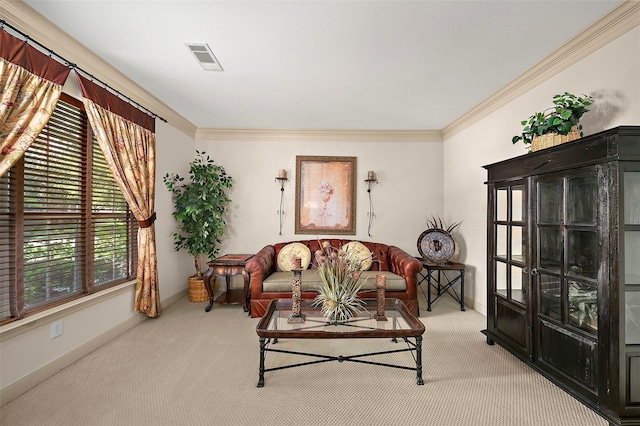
(340, 274)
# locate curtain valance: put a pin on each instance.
(21, 53)
(115, 104)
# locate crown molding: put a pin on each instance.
(617, 22)
(319, 135)
(37, 27)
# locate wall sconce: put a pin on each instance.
(370, 181)
(281, 178)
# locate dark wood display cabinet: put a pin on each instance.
(563, 267)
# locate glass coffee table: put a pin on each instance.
(400, 327)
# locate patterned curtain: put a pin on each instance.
(127, 140)
(30, 86)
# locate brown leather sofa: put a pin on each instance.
(401, 272)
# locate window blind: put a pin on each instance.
(66, 229)
(112, 221)
(7, 247)
(55, 194)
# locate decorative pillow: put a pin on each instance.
(361, 252)
(293, 249)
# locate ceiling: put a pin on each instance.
(365, 65)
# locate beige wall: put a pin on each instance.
(174, 151)
(409, 189)
(611, 74)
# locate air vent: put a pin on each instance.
(204, 56)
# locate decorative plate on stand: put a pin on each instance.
(436, 246)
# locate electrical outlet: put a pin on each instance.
(56, 329)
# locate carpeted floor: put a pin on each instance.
(189, 367)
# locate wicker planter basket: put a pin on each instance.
(552, 139)
(197, 290)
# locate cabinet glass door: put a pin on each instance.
(549, 244)
(567, 248)
(510, 247)
(631, 217)
(582, 252)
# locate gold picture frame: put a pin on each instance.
(325, 195)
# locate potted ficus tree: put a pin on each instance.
(200, 208)
(557, 124)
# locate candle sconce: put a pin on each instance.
(281, 178)
(370, 181)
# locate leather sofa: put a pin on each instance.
(268, 281)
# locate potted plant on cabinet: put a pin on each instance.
(200, 208)
(555, 125)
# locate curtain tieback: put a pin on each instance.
(147, 222)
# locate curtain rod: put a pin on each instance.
(75, 67)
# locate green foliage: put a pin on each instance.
(566, 113)
(200, 207)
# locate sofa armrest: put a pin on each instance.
(259, 267)
(402, 263)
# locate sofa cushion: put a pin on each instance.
(282, 281)
(381, 261)
(360, 252)
(290, 250)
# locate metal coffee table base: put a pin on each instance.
(414, 347)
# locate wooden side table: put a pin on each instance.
(227, 266)
(442, 282)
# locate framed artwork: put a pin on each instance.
(325, 195)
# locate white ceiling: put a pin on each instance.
(358, 65)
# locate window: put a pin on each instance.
(65, 228)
